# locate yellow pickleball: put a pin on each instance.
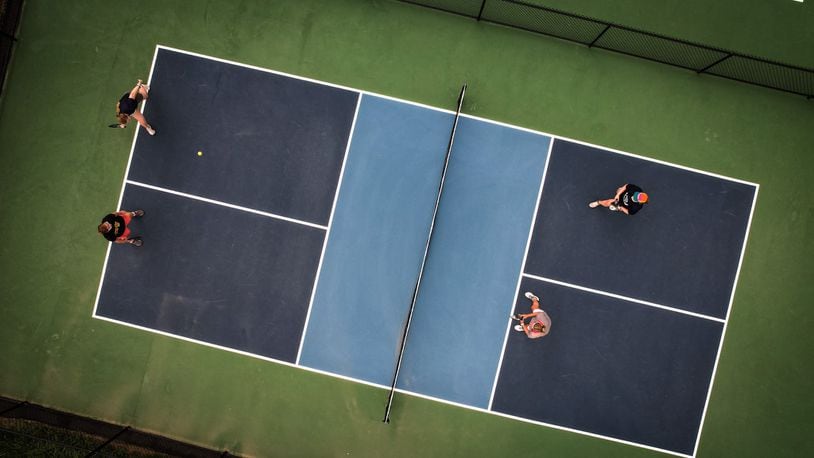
(200, 153)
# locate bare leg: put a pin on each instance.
(535, 304)
(141, 120)
(606, 202)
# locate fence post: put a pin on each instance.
(19, 404)
(715, 63)
(599, 36)
(482, 5)
(97, 449)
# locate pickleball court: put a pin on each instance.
(297, 237)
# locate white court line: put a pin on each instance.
(553, 137)
(520, 271)
(540, 423)
(478, 118)
(328, 231)
(624, 153)
(303, 78)
(228, 205)
(625, 298)
(723, 333)
(124, 183)
(239, 352)
(382, 387)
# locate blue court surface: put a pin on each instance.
(297, 236)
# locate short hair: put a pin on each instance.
(101, 227)
(539, 327)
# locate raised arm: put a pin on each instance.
(620, 191)
(134, 92)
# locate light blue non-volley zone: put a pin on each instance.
(467, 292)
(376, 241)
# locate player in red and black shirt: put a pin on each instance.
(114, 227)
(629, 199)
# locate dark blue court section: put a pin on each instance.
(269, 142)
(681, 250)
(610, 367)
(214, 274)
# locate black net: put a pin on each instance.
(546, 21)
(403, 342)
(660, 49)
(469, 8)
(55, 433)
(10, 11)
(769, 74)
(528, 15)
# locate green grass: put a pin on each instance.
(61, 169)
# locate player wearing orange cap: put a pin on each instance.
(629, 199)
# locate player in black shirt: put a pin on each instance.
(128, 107)
(114, 227)
(629, 199)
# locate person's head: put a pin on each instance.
(538, 327)
(640, 197)
(123, 118)
(105, 227)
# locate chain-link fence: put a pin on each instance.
(599, 34)
(9, 19)
(32, 430)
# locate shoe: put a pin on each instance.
(593, 204)
(136, 241)
(517, 327)
(138, 213)
(613, 208)
(530, 296)
(150, 131)
(516, 317)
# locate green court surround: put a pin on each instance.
(61, 170)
